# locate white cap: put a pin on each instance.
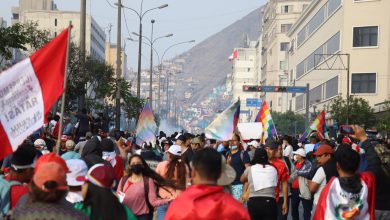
(254, 144)
(175, 150)
(40, 142)
(78, 170)
(301, 152)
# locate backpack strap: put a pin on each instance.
(146, 190)
(124, 180)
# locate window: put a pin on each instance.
(333, 5)
(365, 36)
(299, 102)
(316, 21)
(363, 83)
(332, 87)
(286, 9)
(283, 65)
(284, 28)
(284, 46)
(55, 22)
(315, 94)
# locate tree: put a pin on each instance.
(360, 111)
(26, 37)
(384, 121)
(288, 122)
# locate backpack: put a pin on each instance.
(383, 154)
(5, 194)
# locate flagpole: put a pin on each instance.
(64, 94)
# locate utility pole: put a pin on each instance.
(118, 69)
(83, 12)
(139, 59)
(151, 66)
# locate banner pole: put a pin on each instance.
(64, 94)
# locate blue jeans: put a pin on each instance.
(161, 211)
(307, 205)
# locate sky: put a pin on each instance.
(185, 19)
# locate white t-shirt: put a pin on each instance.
(288, 151)
(319, 178)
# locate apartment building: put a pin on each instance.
(25, 5)
(278, 17)
(359, 29)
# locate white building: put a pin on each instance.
(244, 73)
(278, 17)
(355, 27)
(25, 5)
(57, 21)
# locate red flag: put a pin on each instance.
(28, 90)
(234, 55)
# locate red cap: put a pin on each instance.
(347, 140)
(101, 175)
(323, 149)
(51, 157)
(50, 171)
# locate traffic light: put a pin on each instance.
(246, 88)
(280, 89)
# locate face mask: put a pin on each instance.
(137, 169)
(233, 147)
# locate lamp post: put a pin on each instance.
(151, 42)
(140, 15)
(161, 68)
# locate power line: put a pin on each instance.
(109, 4)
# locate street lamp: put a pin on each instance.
(140, 15)
(151, 42)
(159, 75)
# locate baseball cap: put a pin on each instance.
(181, 138)
(301, 152)
(101, 175)
(324, 149)
(228, 175)
(51, 157)
(40, 142)
(254, 144)
(78, 170)
(175, 150)
(48, 172)
(271, 143)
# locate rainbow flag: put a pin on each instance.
(146, 127)
(225, 125)
(264, 116)
(318, 125)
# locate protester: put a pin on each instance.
(350, 195)
(75, 179)
(299, 189)
(70, 154)
(80, 145)
(14, 185)
(239, 160)
(271, 146)
(186, 150)
(287, 148)
(175, 170)
(375, 165)
(222, 147)
(196, 144)
(99, 201)
(251, 149)
(84, 122)
(137, 189)
(314, 143)
(115, 160)
(92, 153)
(47, 190)
(205, 199)
(292, 176)
(68, 127)
(324, 173)
(262, 178)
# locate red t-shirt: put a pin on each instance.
(119, 167)
(17, 191)
(282, 175)
(295, 184)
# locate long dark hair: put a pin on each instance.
(260, 157)
(103, 203)
(148, 172)
(176, 164)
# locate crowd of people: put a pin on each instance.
(95, 174)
